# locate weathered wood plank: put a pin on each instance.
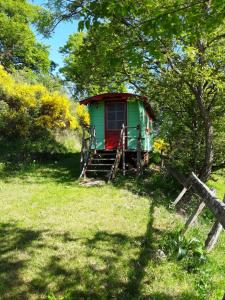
(179, 197)
(217, 207)
(193, 217)
(214, 234)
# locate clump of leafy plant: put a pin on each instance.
(191, 253)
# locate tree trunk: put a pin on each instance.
(206, 169)
(208, 129)
(209, 155)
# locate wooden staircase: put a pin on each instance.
(101, 163)
(106, 162)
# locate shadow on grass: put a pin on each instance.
(101, 274)
(59, 167)
(16, 243)
(113, 265)
(159, 187)
(41, 157)
(164, 296)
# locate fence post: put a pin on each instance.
(214, 234)
(123, 149)
(193, 217)
(82, 149)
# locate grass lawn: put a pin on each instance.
(60, 240)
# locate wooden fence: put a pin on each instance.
(208, 199)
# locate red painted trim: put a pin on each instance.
(105, 124)
(116, 131)
(119, 97)
(107, 96)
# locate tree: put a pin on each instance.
(171, 52)
(81, 69)
(18, 45)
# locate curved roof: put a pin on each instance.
(119, 96)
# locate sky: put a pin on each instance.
(58, 38)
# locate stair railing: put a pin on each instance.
(119, 152)
(89, 145)
(139, 163)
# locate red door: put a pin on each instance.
(115, 116)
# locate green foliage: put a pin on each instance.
(172, 53)
(18, 45)
(51, 81)
(192, 253)
(27, 110)
(88, 78)
(156, 158)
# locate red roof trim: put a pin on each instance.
(106, 96)
(119, 96)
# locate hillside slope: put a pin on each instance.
(61, 240)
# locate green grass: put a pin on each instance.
(218, 183)
(60, 240)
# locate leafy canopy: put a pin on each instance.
(170, 51)
(86, 70)
(18, 45)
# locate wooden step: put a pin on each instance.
(96, 167)
(105, 154)
(103, 158)
(91, 164)
(106, 151)
(97, 171)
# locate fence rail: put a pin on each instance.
(208, 199)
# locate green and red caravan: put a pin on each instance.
(120, 120)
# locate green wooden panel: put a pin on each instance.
(97, 118)
(151, 140)
(135, 115)
(132, 121)
(145, 123)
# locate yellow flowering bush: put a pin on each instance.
(23, 107)
(160, 145)
(55, 112)
(83, 114)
